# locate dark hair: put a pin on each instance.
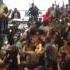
(69, 42)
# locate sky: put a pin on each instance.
(25, 4)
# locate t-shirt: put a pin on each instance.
(18, 44)
(15, 15)
(46, 17)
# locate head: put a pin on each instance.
(15, 9)
(53, 6)
(66, 5)
(16, 37)
(32, 4)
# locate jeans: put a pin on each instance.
(3, 27)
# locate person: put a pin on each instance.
(18, 42)
(11, 58)
(52, 11)
(33, 11)
(50, 55)
(15, 14)
(57, 12)
(46, 17)
(4, 13)
(10, 36)
(64, 55)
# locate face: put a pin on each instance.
(32, 4)
(35, 40)
(16, 37)
(15, 9)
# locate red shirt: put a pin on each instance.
(46, 17)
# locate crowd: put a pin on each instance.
(44, 46)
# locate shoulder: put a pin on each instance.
(63, 49)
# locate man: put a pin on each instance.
(34, 11)
(15, 14)
(50, 55)
(64, 56)
(4, 13)
(11, 58)
(57, 12)
(46, 17)
(52, 11)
